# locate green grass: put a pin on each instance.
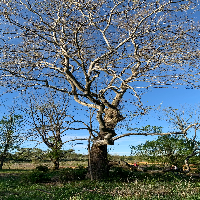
(68, 184)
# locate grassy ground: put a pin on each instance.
(70, 184)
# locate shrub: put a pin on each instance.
(197, 170)
(42, 168)
(80, 173)
(72, 174)
(37, 177)
(119, 173)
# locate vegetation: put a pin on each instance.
(186, 123)
(167, 149)
(71, 184)
(22, 180)
(10, 137)
(36, 155)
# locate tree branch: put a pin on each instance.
(145, 134)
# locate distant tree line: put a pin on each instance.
(39, 155)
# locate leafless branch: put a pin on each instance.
(145, 134)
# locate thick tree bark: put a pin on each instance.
(98, 162)
(99, 168)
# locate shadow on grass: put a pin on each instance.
(14, 170)
(121, 174)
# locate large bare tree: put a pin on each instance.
(100, 52)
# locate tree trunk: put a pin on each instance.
(54, 156)
(3, 156)
(99, 168)
(2, 161)
(98, 162)
(55, 164)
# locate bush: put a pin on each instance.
(80, 173)
(197, 170)
(153, 167)
(37, 177)
(119, 173)
(42, 168)
(72, 174)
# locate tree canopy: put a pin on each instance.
(98, 51)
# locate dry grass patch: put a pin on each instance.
(32, 165)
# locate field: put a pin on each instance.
(33, 165)
(20, 182)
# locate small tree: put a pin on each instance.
(50, 119)
(186, 120)
(9, 135)
(167, 149)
